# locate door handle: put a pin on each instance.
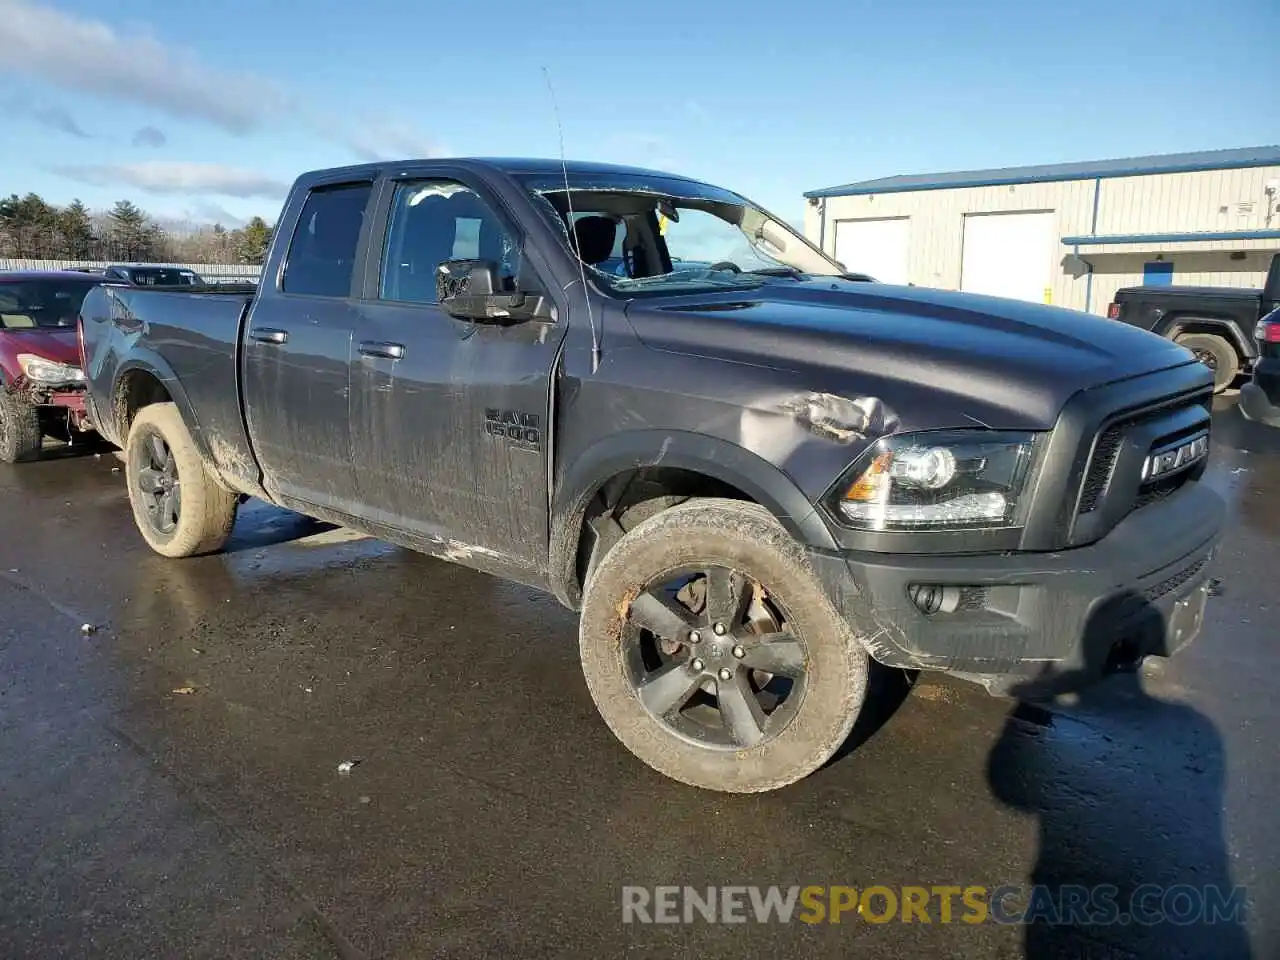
(269, 335)
(387, 351)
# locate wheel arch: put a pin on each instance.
(683, 464)
(142, 381)
(1173, 327)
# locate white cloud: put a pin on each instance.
(165, 177)
(90, 56)
(132, 65)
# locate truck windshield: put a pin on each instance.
(661, 235)
(27, 304)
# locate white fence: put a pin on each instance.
(213, 272)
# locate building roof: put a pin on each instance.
(1185, 237)
(1087, 170)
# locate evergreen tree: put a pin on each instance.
(130, 232)
(31, 228)
(252, 242)
(76, 231)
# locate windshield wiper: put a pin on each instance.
(778, 272)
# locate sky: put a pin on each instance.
(207, 111)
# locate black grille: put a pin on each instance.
(1170, 584)
(1105, 454)
(1155, 492)
(1110, 442)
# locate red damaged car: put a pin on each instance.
(41, 382)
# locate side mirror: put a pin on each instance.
(471, 290)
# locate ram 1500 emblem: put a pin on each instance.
(523, 429)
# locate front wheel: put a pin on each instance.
(713, 653)
(20, 437)
(180, 509)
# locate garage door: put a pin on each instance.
(877, 247)
(1008, 255)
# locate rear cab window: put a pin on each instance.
(322, 252)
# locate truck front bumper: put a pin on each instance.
(1032, 623)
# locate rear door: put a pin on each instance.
(449, 417)
(297, 353)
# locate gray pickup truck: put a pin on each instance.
(753, 476)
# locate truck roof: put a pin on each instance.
(508, 165)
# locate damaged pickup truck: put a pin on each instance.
(751, 475)
(41, 384)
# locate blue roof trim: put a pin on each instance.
(1089, 170)
(1172, 237)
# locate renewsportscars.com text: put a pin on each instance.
(1068, 904)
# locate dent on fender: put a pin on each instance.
(770, 427)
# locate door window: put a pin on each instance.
(437, 220)
(322, 253)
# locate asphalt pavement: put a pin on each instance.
(170, 783)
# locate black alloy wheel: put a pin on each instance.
(714, 659)
(158, 484)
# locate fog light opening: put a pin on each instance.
(931, 598)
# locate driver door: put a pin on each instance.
(431, 394)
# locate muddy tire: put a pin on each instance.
(20, 437)
(1216, 354)
(180, 509)
(641, 646)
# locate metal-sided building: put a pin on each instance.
(1069, 234)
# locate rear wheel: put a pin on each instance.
(20, 437)
(180, 509)
(713, 653)
(1216, 354)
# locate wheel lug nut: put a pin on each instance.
(697, 664)
(739, 652)
(719, 629)
(725, 673)
(694, 637)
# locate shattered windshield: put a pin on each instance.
(641, 235)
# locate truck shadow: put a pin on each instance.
(887, 690)
(1127, 790)
(260, 525)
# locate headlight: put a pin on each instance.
(40, 370)
(939, 481)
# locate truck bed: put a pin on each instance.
(190, 339)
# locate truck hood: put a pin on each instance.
(938, 358)
(58, 344)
